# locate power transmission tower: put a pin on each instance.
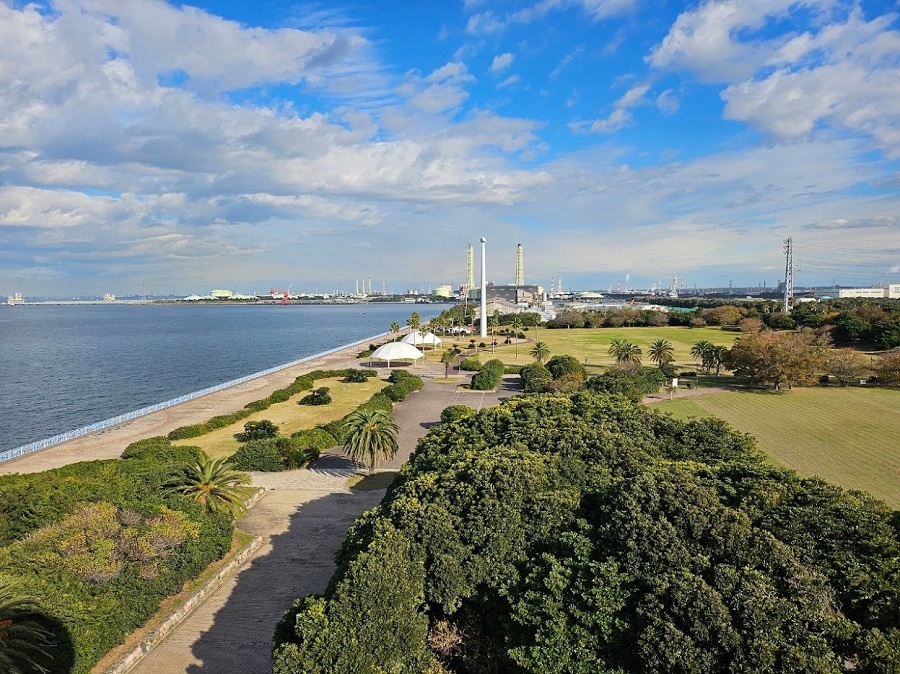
(788, 273)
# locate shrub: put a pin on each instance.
(634, 383)
(489, 377)
(313, 438)
(263, 455)
(355, 377)
(148, 447)
(535, 378)
(318, 397)
(365, 353)
(279, 396)
(185, 432)
(455, 413)
(512, 369)
(257, 430)
(562, 365)
(406, 385)
(470, 364)
(257, 405)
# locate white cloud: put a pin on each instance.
(441, 91)
(501, 62)
(842, 73)
(620, 117)
(509, 81)
(489, 23)
(716, 41)
(667, 102)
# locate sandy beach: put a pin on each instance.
(109, 443)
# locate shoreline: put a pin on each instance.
(109, 443)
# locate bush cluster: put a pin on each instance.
(455, 413)
(470, 364)
(276, 454)
(320, 396)
(489, 376)
(402, 384)
(304, 382)
(630, 542)
(633, 383)
(102, 545)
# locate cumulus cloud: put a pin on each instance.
(842, 73)
(501, 62)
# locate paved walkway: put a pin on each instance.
(304, 519)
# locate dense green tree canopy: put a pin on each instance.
(586, 534)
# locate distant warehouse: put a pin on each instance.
(891, 291)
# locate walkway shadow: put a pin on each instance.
(298, 560)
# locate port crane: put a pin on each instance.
(284, 295)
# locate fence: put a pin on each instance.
(8, 454)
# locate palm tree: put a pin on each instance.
(516, 324)
(395, 330)
(493, 322)
(213, 484)
(448, 358)
(23, 640)
(625, 352)
(370, 434)
(413, 322)
(540, 352)
(661, 352)
(718, 356)
(702, 352)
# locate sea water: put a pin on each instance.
(63, 367)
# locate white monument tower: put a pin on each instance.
(483, 291)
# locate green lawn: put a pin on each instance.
(850, 437)
(592, 343)
(291, 417)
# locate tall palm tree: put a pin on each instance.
(540, 352)
(702, 352)
(625, 352)
(370, 434)
(413, 322)
(395, 330)
(214, 484)
(23, 640)
(718, 357)
(516, 325)
(661, 352)
(448, 358)
(493, 322)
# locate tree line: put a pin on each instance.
(585, 534)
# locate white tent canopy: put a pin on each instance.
(396, 351)
(415, 338)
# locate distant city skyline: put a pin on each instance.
(258, 145)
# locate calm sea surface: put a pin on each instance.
(63, 367)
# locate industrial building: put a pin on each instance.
(522, 296)
(891, 291)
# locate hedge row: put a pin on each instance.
(402, 384)
(489, 376)
(304, 382)
(276, 454)
(102, 546)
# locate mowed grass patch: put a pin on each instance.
(850, 437)
(593, 343)
(291, 417)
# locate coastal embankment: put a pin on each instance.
(109, 442)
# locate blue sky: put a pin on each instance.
(181, 147)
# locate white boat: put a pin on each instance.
(13, 300)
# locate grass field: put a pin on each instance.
(592, 343)
(850, 437)
(291, 417)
